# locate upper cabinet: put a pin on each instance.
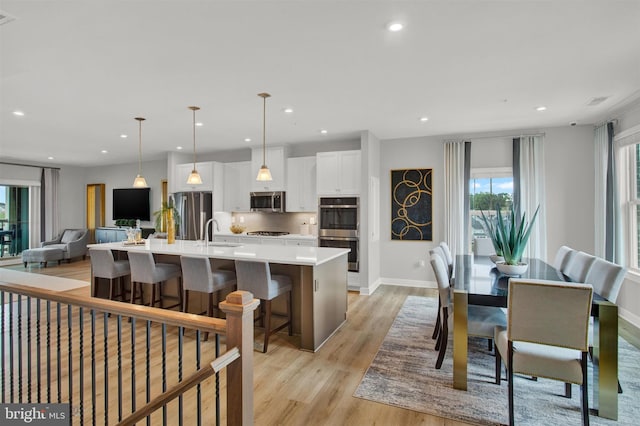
(212, 174)
(301, 185)
(338, 173)
(275, 161)
(237, 185)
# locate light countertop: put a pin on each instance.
(289, 255)
(281, 237)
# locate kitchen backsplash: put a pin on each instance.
(288, 222)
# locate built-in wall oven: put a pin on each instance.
(339, 223)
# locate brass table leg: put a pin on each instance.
(460, 341)
(605, 360)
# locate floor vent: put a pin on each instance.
(597, 101)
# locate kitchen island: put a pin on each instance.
(319, 276)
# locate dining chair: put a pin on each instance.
(145, 270)
(546, 335)
(103, 265)
(198, 276)
(438, 251)
(606, 278)
(256, 277)
(563, 257)
(448, 256)
(578, 266)
(481, 320)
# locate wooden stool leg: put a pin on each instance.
(133, 291)
(289, 314)
(267, 324)
(95, 286)
(209, 313)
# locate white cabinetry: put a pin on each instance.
(275, 161)
(212, 174)
(338, 173)
(237, 185)
(301, 185)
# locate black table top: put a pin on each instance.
(485, 285)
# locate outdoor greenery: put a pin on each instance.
(488, 201)
(510, 236)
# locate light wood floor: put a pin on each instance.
(293, 387)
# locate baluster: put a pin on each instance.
(148, 365)
(93, 366)
(105, 327)
(180, 353)
(70, 344)
(58, 351)
(134, 394)
(38, 348)
(20, 348)
(48, 350)
(80, 410)
(2, 348)
(29, 349)
(11, 396)
(119, 367)
(164, 371)
(198, 361)
(217, 387)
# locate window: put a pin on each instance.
(634, 209)
(489, 190)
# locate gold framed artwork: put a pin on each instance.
(411, 205)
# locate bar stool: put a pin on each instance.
(198, 276)
(256, 277)
(103, 265)
(144, 270)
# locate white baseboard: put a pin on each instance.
(409, 283)
(368, 291)
(629, 316)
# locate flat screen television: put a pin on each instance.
(131, 203)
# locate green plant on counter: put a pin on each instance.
(160, 216)
(513, 236)
(492, 231)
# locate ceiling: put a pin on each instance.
(82, 70)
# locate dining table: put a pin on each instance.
(476, 281)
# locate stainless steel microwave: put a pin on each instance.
(272, 202)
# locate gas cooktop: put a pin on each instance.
(268, 233)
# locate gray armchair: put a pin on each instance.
(72, 242)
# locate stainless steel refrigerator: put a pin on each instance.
(195, 209)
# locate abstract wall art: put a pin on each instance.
(411, 208)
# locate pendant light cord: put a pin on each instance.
(264, 129)
(194, 138)
(139, 147)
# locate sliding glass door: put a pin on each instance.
(14, 219)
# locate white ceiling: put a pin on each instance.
(82, 70)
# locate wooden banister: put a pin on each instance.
(145, 313)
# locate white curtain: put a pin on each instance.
(600, 214)
(49, 207)
(34, 216)
(532, 193)
(454, 196)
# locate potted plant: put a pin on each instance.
(494, 235)
(167, 218)
(512, 237)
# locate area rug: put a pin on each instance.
(402, 374)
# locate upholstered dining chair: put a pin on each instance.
(144, 270)
(578, 266)
(606, 278)
(563, 257)
(103, 265)
(546, 335)
(439, 251)
(448, 256)
(481, 320)
(198, 276)
(256, 277)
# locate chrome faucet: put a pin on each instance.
(206, 230)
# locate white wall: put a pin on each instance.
(405, 262)
(369, 246)
(121, 176)
(569, 167)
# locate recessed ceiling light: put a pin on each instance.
(104, 151)
(541, 108)
(178, 148)
(49, 158)
(395, 26)
(423, 119)
(123, 136)
(18, 113)
(324, 131)
(247, 139)
(288, 110)
(199, 124)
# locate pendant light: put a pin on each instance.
(264, 174)
(139, 181)
(194, 178)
